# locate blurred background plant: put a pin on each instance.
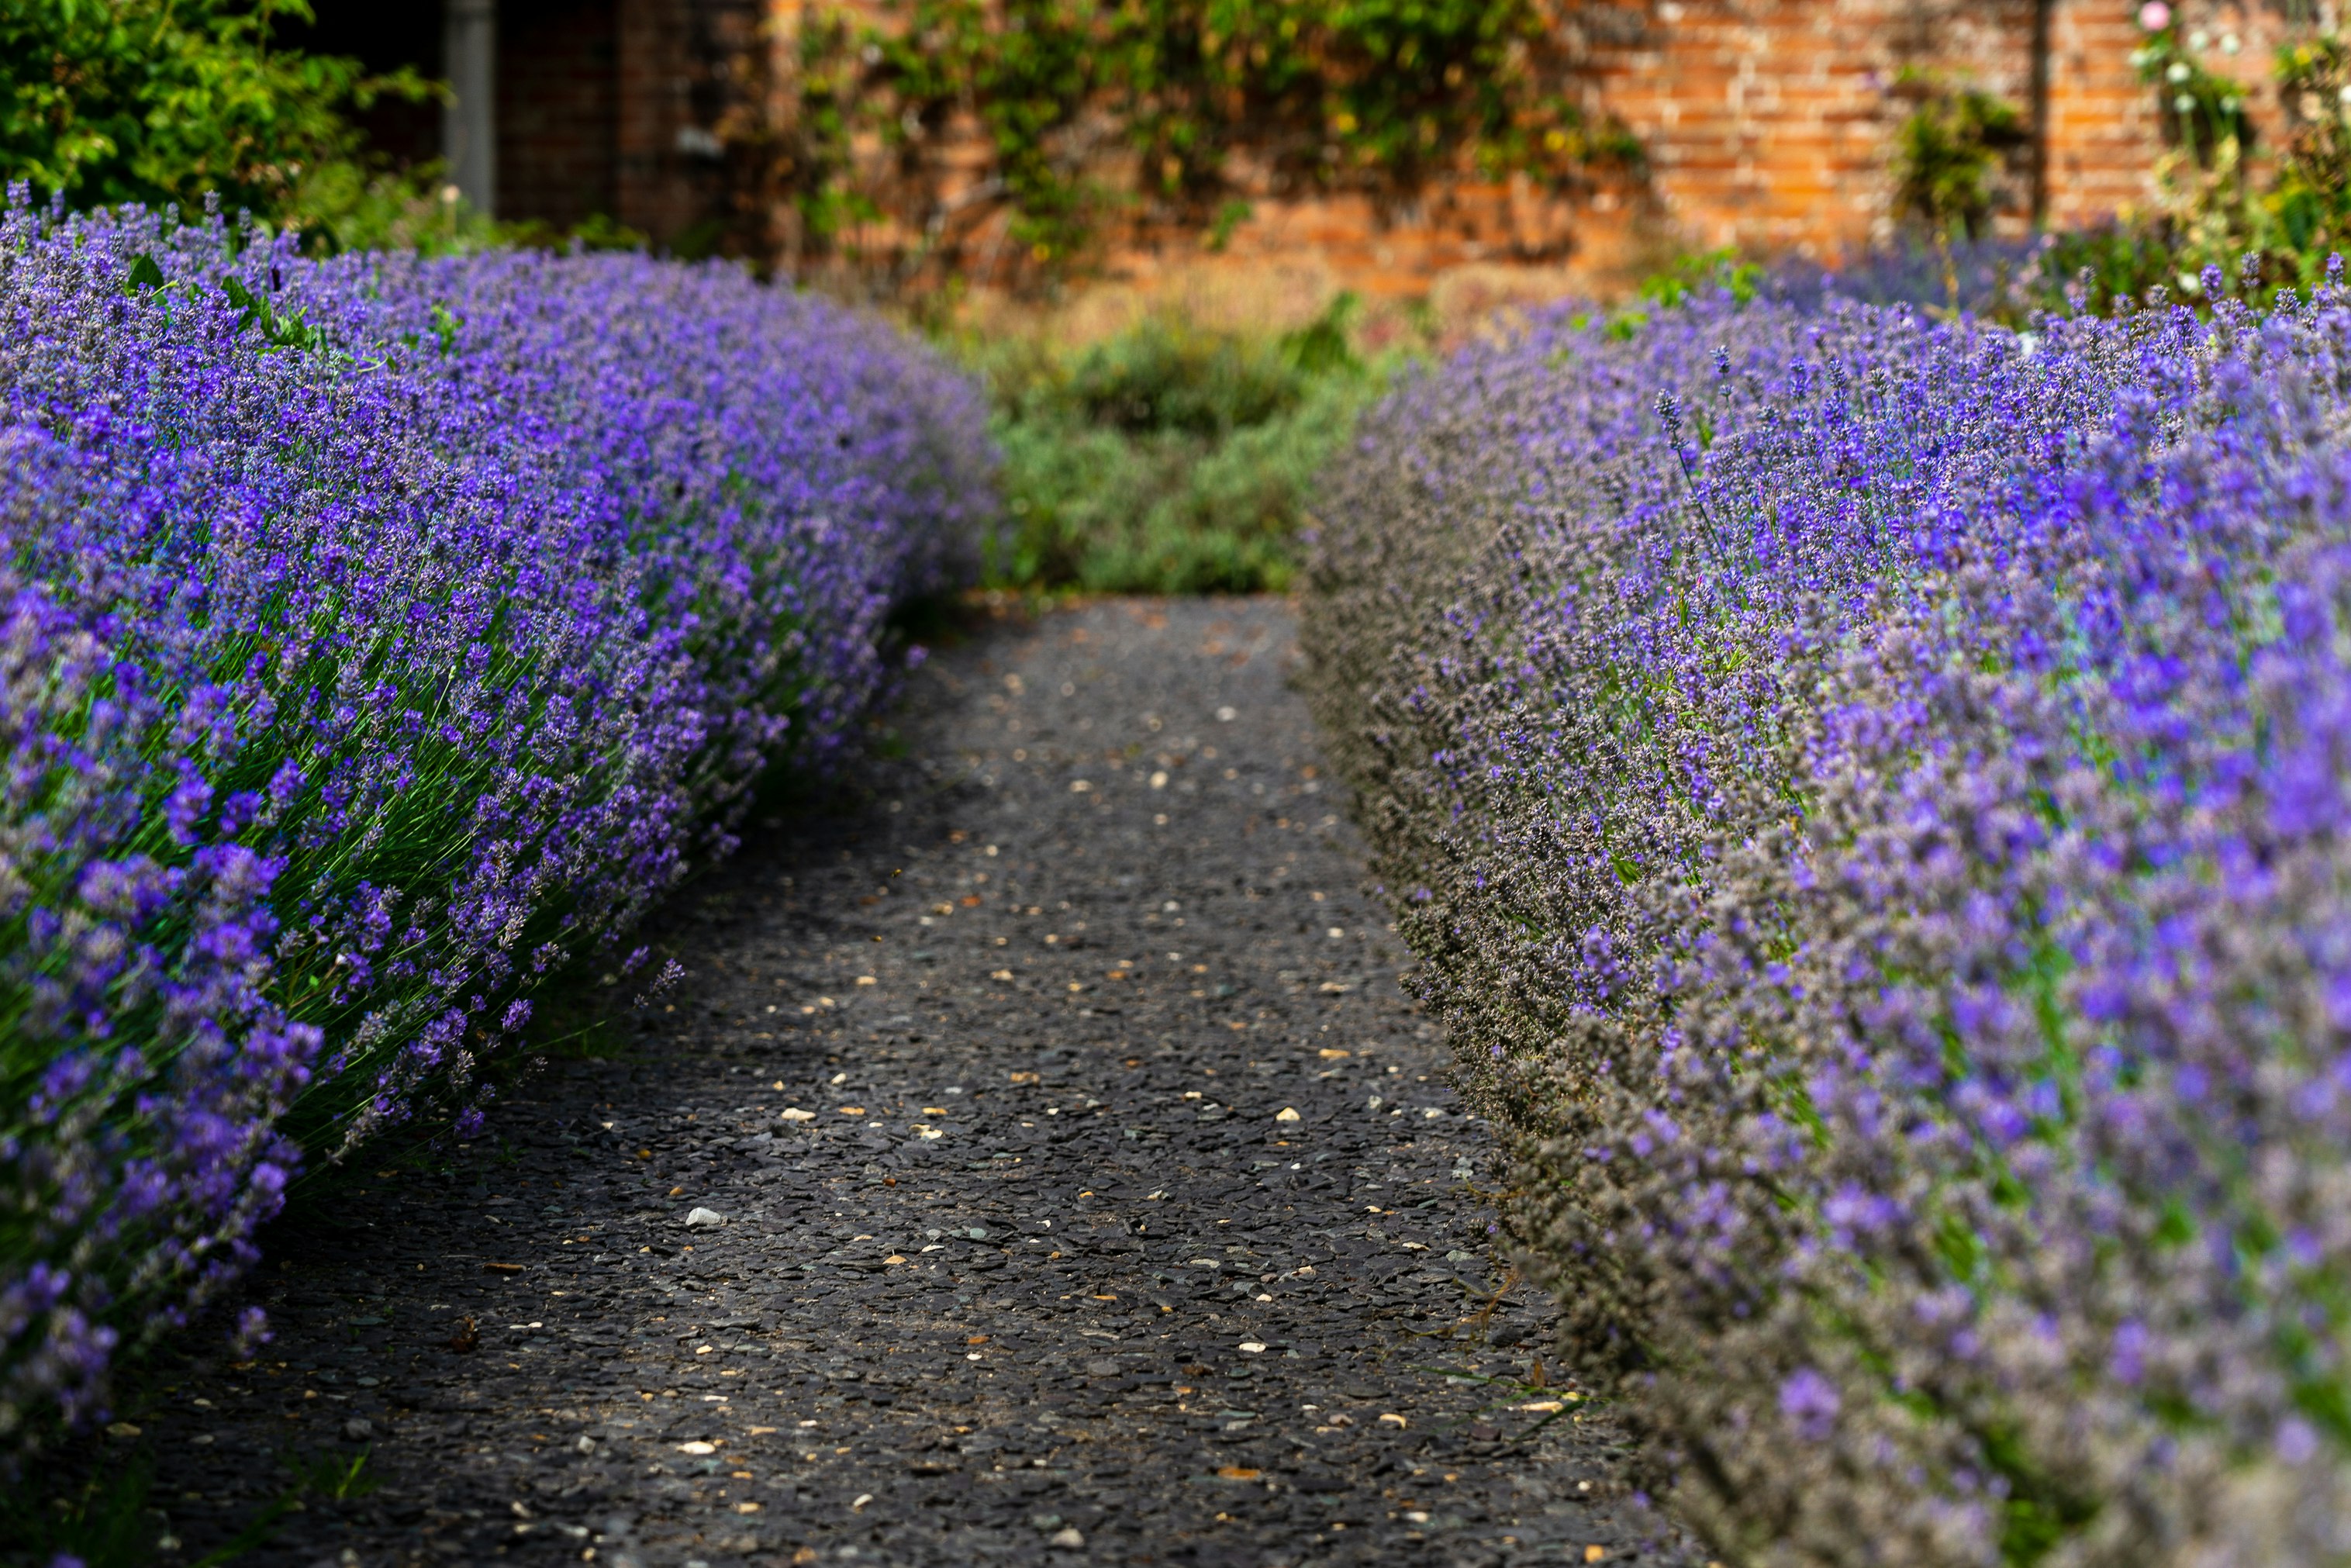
(182, 102)
(2267, 216)
(165, 101)
(1172, 457)
(2311, 198)
(1955, 140)
(2202, 111)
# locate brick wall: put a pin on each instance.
(1770, 121)
(689, 69)
(1768, 125)
(2103, 134)
(1766, 120)
(617, 108)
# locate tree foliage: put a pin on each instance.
(157, 101)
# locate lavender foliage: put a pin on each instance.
(1871, 799)
(379, 636)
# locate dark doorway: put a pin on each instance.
(384, 39)
(557, 110)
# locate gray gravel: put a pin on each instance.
(1079, 1187)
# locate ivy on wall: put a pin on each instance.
(1188, 100)
(2264, 222)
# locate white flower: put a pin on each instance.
(2179, 72)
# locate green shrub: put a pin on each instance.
(1166, 377)
(161, 101)
(1170, 459)
(171, 102)
(1956, 139)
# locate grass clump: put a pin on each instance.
(1172, 458)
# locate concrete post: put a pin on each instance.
(469, 129)
(2042, 10)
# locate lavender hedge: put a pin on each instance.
(1871, 799)
(379, 637)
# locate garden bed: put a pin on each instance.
(382, 635)
(1867, 794)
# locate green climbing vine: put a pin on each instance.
(1372, 95)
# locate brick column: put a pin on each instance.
(2104, 138)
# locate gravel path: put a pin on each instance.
(1090, 1193)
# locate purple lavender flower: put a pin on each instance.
(348, 693)
(1882, 792)
(1810, 1402)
